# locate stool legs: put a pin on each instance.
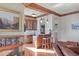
(46, 43)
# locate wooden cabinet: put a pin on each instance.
(39, 41)
(30, 23)
(28, 39)
(34, 24)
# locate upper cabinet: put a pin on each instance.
(30, 23)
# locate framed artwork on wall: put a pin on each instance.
(75, 26)
(10, 21)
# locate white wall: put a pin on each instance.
(52, 20)
(65, 32)
(48, 25)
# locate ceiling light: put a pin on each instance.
(47, 21)
(41, 20)
(33, 14)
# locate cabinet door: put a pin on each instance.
(31, 24)
(34, 24)
(26, 25)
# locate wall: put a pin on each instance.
(65, 32)
(52, 20)
(48, 25)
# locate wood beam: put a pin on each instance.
(42, 15)
(29, 16)
(39, 8)
(70, 13)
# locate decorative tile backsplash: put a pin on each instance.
(7, 41)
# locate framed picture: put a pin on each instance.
(75, 26)
(9, 21)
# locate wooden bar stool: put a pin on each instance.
(39, 41)
(44, 43)
(51, 43)
(47, 43)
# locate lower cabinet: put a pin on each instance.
(28, 39)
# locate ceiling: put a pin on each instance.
(60, 8)
(30, 12)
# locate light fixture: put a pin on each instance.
(41, 20)
(33, 15)
(47, 21)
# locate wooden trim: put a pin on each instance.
(29, 16)
(39, 8)
(42, 15)
(37, 16)
(70, 13)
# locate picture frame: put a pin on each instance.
(75, 26)
(10, 21)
